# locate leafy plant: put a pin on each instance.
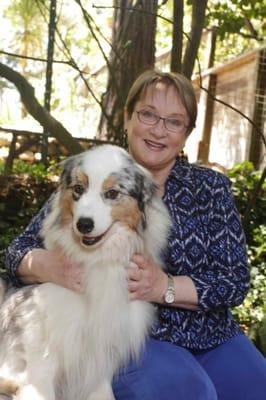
(252, 313)
(21, 196)
(36, 171)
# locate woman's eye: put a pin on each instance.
(175, 122)
(148, 114)
(111, 194)
(78, 189)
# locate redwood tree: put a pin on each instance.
(133, 50)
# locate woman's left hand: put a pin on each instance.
(146, 280)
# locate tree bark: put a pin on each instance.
(48, 122)
(49, 74)
(133, 51)
(197, 23)
(177, 36)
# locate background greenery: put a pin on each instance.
(24, 192)
(252, 313)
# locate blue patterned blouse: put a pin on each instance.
(207, 243)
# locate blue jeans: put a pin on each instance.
(234, 370)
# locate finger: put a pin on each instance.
(140, 260)
(133, 286)
(132, 264)
(134, 274)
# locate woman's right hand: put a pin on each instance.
(40, 266)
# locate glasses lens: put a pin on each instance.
(174, 125)
(147, 117)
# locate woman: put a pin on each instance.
(197, 351)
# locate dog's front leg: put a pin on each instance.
(103, 392)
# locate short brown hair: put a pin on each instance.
(182, 85)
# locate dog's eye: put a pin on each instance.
(78, 189)
(111, 194)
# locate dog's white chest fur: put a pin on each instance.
(102, 327)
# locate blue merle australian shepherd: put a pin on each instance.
(56, 344)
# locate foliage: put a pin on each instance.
(252, 313)
(21, 196)
(240, 26)
(243, 17)
(27, 15)
(36, 171)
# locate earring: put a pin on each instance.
(124, 142)
(182, 155)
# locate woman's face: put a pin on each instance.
(153, 146)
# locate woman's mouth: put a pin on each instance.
(154, 145)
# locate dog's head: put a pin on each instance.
(101, 188)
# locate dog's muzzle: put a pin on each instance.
(85, 226)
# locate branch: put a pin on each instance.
(34, 58)
(49, 123)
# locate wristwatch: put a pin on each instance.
(169, 296)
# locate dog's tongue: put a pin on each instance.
(90, 240)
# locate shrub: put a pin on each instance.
(252, 313)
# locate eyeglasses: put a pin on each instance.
(174, 125)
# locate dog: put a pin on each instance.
(59, 344)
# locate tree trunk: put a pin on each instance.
(49, 73)
(38, 112)
(133, 51)
(177, 36)
(197, 24)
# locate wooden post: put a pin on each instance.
(211, 47)
(204, 145)
(256, 144)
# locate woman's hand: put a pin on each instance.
(40, 266)
(146, 280)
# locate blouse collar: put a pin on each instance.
(181, 171)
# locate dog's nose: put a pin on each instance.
(85, 225)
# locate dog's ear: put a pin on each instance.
(65, 177)
(147, 190)
(148, 187)
(68, 166)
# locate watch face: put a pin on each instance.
(169, 298)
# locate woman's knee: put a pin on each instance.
(237, 369)
(164, 372)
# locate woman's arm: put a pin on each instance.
(27, 241)
(40, 266)
(224, 280)
(221, 279)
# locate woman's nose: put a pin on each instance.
(158, 129)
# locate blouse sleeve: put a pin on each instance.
(26, 241)
(224, 281)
